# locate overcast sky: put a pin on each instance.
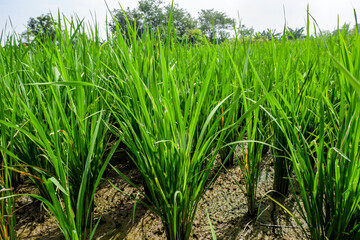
(259, 14)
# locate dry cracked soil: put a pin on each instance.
(120, 218)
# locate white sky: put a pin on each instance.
(260, 14)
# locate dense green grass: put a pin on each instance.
(176, 107)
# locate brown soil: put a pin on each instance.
(224, 201)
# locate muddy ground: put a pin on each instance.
(224, 201)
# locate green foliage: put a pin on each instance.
(151, 13)
(318, 118)
(267, 35)
(121, 17)
(214, 22)
(41, 27)
(60, 123)
(7, 161)
(199, 37)
(155, 14)
(243, 31)
(169, 125)
(176, 107)
(182, 20)
(296, 33)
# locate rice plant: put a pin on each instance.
(176, 107)
(66, 130)
(7, 207)
(168, 123)
(327, 165)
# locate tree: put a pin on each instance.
(345, 29)
(199, 37)
(119, 17)
(212, 21)
(243, 31)
(267, 34)
(154, 14)
(148, 12)
(151, 13)
(295, 33)
(42, 27)
(181, 18)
